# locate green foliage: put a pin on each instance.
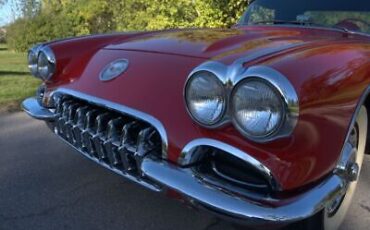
(64, 18)
(2, 35)
(15, 80)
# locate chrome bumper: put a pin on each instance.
(32, 107)
(243, 210)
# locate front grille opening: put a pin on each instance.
(225, 170)
(106, 135)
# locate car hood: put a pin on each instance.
(217, 43)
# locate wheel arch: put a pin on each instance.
(367, 105)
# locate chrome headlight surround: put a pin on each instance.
(235, 74)
(257, 108)
(209, 83)
(32, 57)
(46, 63)
(285, 92)
(41, 62)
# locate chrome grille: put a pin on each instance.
(112, 138)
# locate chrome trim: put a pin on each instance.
(231, 75)
(51, 59)
(33, 66)
(224, 116)
(119, 108)
(287, 93)
(49, 54)
(189, 156)
(32, 107)
(348, 156)
(240, 209)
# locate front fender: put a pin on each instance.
(331, 81)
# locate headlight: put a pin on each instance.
(257, 108)
(32, 60)
(205, 98)
(46, 63)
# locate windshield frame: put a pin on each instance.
(242, 22)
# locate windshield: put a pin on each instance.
(353, 15)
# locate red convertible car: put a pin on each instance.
(264, 124)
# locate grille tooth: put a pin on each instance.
(58, 105)
(115, 129)
(87, 133)
(65, 107)
(99, 138)
(129, 134)
(102, 122)
(111, 137)
(112, 143)
(71, 112)
(80, 120)
(62, 129)
(143, 141)
(143, 145)
(127, 148)
(80, 117)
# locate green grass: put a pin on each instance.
(15, 81)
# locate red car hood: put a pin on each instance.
(216, 43)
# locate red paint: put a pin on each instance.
(329, 69)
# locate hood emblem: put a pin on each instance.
(113, 70)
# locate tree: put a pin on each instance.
(29, 8)
(43, 20)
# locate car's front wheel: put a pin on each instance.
(331, 217)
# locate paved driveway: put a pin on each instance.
(46, 185)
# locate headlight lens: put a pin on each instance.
(45, 64)
(205, 98)
(257, 108)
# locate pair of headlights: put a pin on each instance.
(41, 62)
(255, 106)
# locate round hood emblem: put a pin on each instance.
(113, 70)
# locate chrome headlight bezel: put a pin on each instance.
(32, 59)
(279, 103)
(236, 73)
(41, 55)
(46, 63)
(212, 76)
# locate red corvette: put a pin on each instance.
(264, 124)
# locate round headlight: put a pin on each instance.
(45, 64)
(32, 60)
(257, 108)
(205, 98)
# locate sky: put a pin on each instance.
(6, 13)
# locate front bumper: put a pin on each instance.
(158, 175)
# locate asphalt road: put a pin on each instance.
(46, 185)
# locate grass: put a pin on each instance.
(16, 83)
